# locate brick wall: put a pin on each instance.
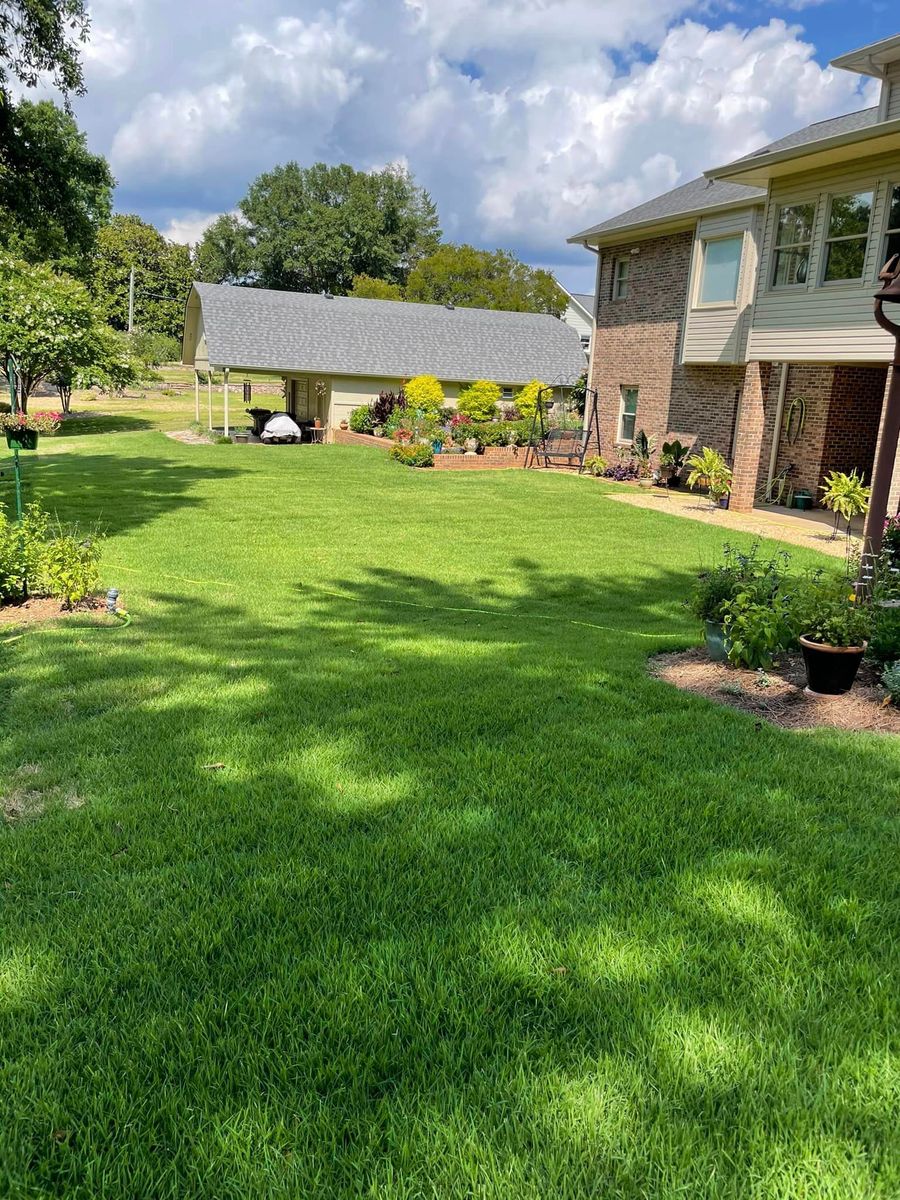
(639, 343)
(852, 429)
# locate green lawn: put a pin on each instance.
(474, 907)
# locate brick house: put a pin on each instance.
(736, 310)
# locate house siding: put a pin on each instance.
(891, 85)
(638, 343)
(719, 334)
(574, 316)
(830, 323)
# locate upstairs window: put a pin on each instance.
(621, 270)
(848, 237)
(720, 270)
(892, 242)
(627, 412)
(793, 239)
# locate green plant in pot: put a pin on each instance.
(835, 625)
(671, 462)
(642, 449)
(710, 470)
(741, 602)
(23, 429)
(846, 496)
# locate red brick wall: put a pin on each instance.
(852, 429)
(639, 343)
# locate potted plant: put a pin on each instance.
(709, 469)
(845, 495)
(23, 429)
(671, 463)
(712, 592)
(642, 451)
(345, 424)
(836, 626)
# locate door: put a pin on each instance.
(298, 405)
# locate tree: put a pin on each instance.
(54, 194)
(48, 323)
(484, 279)
(526, 398)
(42, 37)
(479, 400)
(224, 253)
(367, 288)
(163, 276)
(313, 229)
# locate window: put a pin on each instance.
(506, 393)
(720, 270)
(793, 238)
(627, 413)
(620, 278)
(892, 242)
(848, 237)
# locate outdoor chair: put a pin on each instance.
(564, 446)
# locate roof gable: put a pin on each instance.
(684, 202)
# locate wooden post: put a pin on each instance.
(197, 396)
(225, 397)
(209, 394)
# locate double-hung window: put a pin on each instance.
(720, 270)
(892, 242)
(621, 270)
(848, 237)
(793, 239)
(627, 412)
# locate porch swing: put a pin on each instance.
(561, 440)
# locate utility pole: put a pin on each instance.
(131, 301)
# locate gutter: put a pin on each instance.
(676, 222)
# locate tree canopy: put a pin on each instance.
(43, 37)
(367, 288)
(475, 278)
(163, 276)
(54, 194)
(313, 229)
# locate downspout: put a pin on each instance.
(776, 433)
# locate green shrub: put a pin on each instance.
(595, 464)
(222, 440)
(891, 680)
(526, 400)
(413, 456)
(152, 349)
(361, 419)
(757, 626)
(21, 552)
(71, 566)
(493, 433)
(479, 400)
(884, 645)
(424, 392)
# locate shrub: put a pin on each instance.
(71, 566)
(710, 469)
(884, 645)
(621, 471)
(479, 400)
(891, 680)
(526, 399)
(21, 551)
(595, 465)
(152, 349)
(425, 393)
(386, 405)
(222, 440)
(752, 596)
(361, 420)
(846, 496)
(413, 456)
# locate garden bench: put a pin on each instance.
(564, 445)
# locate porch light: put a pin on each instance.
(890, 430)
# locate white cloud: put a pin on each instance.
(189, 227)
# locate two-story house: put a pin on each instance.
(736, 310)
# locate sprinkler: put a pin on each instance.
(112, 597)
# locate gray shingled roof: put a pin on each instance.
(681, 201)
(850, 123)
(585, 299)
(294, 331)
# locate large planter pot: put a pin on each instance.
(22, 439)
(471, 445)
(716, 643)
(830, 670)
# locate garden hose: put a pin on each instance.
(124, 622)
(797, 408)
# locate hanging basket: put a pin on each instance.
(22, 439)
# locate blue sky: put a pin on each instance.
(527, 119)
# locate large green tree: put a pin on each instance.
(43, 37)
(163, 273)
(475, 278)
(54, 193)
(315, 228)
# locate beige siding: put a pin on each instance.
(349, 392)
(718, 333)
(831, 322)
(891, 86)
(574, 316)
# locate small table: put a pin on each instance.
(316, 436)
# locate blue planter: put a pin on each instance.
(716, 643)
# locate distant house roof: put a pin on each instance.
(849, 123)
(585, 300)
(684, 201)
(258, 329)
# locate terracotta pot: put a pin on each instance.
(345, 424)
(830, 670)
(317, 423)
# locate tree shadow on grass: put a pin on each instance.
(470, 907)
(84, 426)
(121, 491)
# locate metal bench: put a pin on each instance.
(564, 445)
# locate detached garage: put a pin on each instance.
(337, 352)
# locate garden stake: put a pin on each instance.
(11, 371)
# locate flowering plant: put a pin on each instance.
(402, 434)
(38, 422)
(460, 419)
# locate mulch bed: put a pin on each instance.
(778, 695)
(46, 608)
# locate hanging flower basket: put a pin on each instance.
(23, 429)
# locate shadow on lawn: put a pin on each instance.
(121, 491)
(83, 426)
(472, 906)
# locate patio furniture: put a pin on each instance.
(316, 436)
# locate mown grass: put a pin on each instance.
(473, 907)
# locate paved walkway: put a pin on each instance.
(188, 437)
(812, 529)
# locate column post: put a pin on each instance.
(196, 395)
(748, 439)
(209, 396)
(225, 398)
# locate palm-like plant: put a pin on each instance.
(711, 467)
(846, 495)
